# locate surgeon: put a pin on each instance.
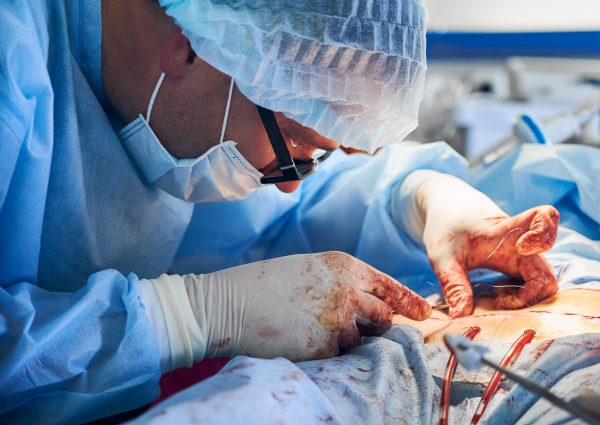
(126, 131)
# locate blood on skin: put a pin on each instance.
(569, 312)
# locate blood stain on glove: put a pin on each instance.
(448, 238)
(268, 332)
(456, 285)
(330, 349)
(311, 292)
(309, 266)
(222, 343)
(540, 283)
(511, 245)
(542, 231)
(416, 308)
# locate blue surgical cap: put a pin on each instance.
(353, 70)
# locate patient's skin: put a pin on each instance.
(570, 312)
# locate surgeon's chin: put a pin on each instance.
(288, 187)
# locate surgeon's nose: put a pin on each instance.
(288, 187)
(298, 152)
(301, 152)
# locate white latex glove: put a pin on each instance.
(462, 229)
(300, 307)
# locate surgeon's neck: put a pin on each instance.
(139, 41)
(132, 31)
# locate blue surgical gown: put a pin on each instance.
(78, 227)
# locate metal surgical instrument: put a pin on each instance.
(470, 355)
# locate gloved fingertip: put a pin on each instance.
(415, 308)
(509, 302)
(527, 249)
(551, 213)
(461, 308)
(425, 312)
(456, 313)
(531, 243)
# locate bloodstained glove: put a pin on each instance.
(462, 229)
(301, 307)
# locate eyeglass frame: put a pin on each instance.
(289, 170)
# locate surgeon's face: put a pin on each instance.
(245, 127)
(188, 119)
(138, 43)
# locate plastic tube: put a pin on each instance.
(509, 358)
(448, 374)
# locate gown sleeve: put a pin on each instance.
(70, 357)
(65, 357)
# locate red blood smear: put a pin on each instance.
(509, 358)
(180, 379)
(448, 374)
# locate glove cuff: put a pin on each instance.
(406, 213)
(155, 315)
(187, 335)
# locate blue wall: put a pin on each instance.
(456, 45)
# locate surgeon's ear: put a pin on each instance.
(178, 58)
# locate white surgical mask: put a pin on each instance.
(222, 173)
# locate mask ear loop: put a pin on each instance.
(226, 111)
(153, 97)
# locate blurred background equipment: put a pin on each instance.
(504, 73)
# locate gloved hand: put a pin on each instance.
(300, 307)
(462, 229)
